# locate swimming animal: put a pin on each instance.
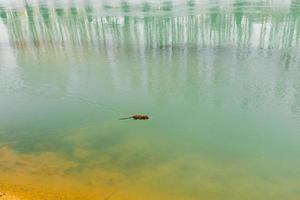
(137, 117)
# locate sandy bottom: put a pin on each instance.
(7, 196)
(25, 187)
(48, 176)
(43, 177)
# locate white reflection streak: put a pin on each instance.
(111, 55)
(142, 48)
(255, 34)
(10, 77)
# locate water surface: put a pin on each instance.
(220, 81)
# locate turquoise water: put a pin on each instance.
(219, 80)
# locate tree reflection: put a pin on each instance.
(242, 24)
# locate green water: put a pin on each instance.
(220, 82)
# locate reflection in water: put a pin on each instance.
(10, 73)
(242, 24)
(219, 80)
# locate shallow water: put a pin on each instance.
(220, 82)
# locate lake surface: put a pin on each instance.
(220, 81)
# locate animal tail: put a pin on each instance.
(125, 118)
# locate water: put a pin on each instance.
(219, 80)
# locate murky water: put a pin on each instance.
(220, 81)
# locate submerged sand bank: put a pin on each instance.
(8, 196)
(28, 188)
(21, 192)
(43, 177)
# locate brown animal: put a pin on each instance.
(137, 117)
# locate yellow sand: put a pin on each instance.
(42, 176)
